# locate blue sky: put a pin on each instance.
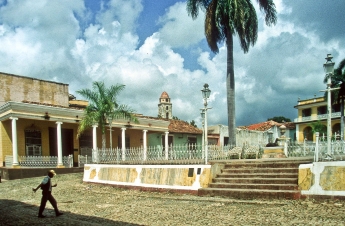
(153, 46)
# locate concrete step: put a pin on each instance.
(259, 170)
(250, 193)
(256, 180)
(246, 165)
(292, 187)
(256, 175)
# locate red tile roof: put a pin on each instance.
(264, 126)
(178, 126)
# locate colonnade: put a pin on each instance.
(59, 141)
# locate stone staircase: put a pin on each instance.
(257, 180)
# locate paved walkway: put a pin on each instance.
(93, 204)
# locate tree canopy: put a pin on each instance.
(103, 103)
(279, 119)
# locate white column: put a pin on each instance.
(59, 144)
(166, 146)
(94, 137)
(123, 141)
(145, 144)
(14, 142)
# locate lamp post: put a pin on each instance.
(110, 120)
(329, 68)
(202, 113)
(205, 94)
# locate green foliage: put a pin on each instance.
(193, 124)
(231, 17)
(103, 103)
(175, 118)
(318, 127)
(279, 119)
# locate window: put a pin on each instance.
(306, 112)
(167, 108)
(322, 110)
(336, 108)
(191, 140)
(33, 142)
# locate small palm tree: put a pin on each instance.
(224, 19)
(103, 103)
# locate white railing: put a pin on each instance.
(309, 149)
(40, 161)
(178, 154)
(82, 160)
(317, 117)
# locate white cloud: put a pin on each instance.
(179, 30)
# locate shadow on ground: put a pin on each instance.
(18, 213)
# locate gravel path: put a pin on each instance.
(93, 204)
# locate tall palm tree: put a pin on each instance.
(224, 19)
(102, 104)
(337, 96)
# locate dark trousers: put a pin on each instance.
(47, 196)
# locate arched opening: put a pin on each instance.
(336, 131)
(308, 134)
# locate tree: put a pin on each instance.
(224, 19)
(193, 124)
(318, 127)
(102, 103)
(279, 119)
(337, 96)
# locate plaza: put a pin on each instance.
(93, 204)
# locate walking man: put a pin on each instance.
(46, 187)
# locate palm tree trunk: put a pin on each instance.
(230, 88)
(342, 119)
(103, 140)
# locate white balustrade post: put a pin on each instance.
(145, 144)
(166, 145)
(316, 147)
(59, 144)
(14, 142)
(94, 137)
(123, 140)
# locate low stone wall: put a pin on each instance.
(322, 179)
(183, 178)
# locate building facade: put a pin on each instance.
(315, 110)
(41, 118)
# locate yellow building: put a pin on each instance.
(313, 110)
(40, 118)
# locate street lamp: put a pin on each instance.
(205, 94)
(202, 113)
(329, 68)
(110, 120)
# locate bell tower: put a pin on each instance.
(165, 106)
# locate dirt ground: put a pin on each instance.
(93, 204)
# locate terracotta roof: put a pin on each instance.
(178, 126)
(164, 95)
(264, 126)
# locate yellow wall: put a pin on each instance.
(6, 144)
(135, 137)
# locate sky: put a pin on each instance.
(152, 46)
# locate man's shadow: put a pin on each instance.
(19, 213)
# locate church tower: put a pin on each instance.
(164, 106)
